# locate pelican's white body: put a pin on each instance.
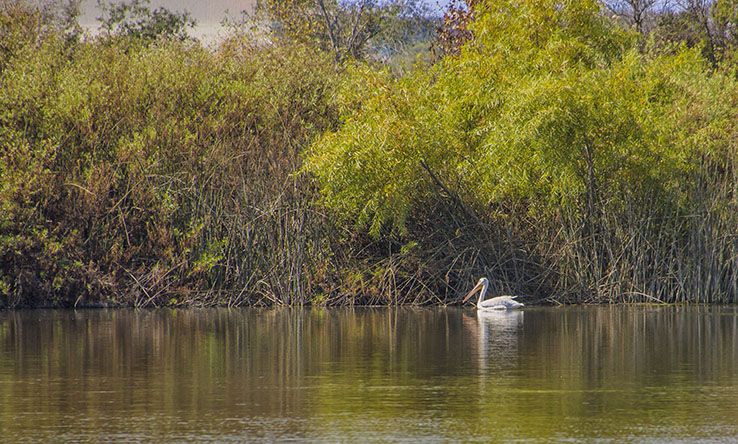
(496, 303)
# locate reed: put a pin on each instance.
(161, 174)
(170, 174)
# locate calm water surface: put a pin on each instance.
(582, 374)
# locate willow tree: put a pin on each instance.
(550, 105)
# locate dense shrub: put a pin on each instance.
(610, 167)
(551, 149)
(139, 173)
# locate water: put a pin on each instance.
(569, 374)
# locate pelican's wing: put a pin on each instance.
(501, 302)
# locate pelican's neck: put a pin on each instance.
(483, 293)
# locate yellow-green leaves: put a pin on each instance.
(143, 163)
(550, 102)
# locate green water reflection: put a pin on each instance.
(623, 373)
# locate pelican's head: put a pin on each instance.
(483, 282)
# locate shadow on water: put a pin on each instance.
(661, 373)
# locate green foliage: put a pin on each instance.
(555, 147)
(134, 171)
(549, 103)
(23, 23)
(552, 133)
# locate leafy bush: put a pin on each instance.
(133, 172)
(555, 151)
(551, 110)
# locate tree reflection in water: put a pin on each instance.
(350, 374)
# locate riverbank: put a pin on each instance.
(574, 165)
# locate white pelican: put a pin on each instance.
(498, 303)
